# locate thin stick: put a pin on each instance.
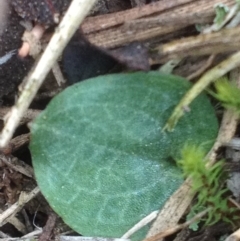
(228, 125)
(210, 76)
(110, 31)
(234, 202)
(177, 227)
(70, 23)
(97, 23)
(173, 209)
(203, 44)
(16, 207)
(200, 71)
(29, 236)
(146, 220)
(17, 165)
(28, 116)
(234, 236)
(16, 223)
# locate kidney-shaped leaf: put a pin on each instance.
(99, 153)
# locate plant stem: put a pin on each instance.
(218, 71)
(70, 23)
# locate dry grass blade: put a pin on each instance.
(146, 220)
(218, 71)
(173, 230)
(28, 116)
(97, 23)
(146, 28)
(206, 44)
(234, 237)
(16, 207)
(71, 21)
(229, 123)
(173, 209)
(17, 165)
(16, 223)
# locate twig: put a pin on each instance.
(234, 22)
(234, 143)
(82, 238)
(120, 34)
(16, 207)
(71, 21)
(58, 74)
(32, 234)
(16, 223)
(29, 115)
(234, 202)
(203, 44)
(48, 94)
(226, 132)
(29, 226)
(140, 224)
(3, 235)
(229, 123)
(218, 71)
(191, 13)
(200, 71)
(26, 237)
(19, 141)
(234, 236)
(102, 22)
(17, 165)
(177, 227)
(173, 209)
(48, 228)
(15, 144)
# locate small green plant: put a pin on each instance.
(207, 182)
(221, 11)
(228, 93)
(193, 212)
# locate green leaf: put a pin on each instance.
(228, 93)
(192, 213)
(99, 153)
(221, 12)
